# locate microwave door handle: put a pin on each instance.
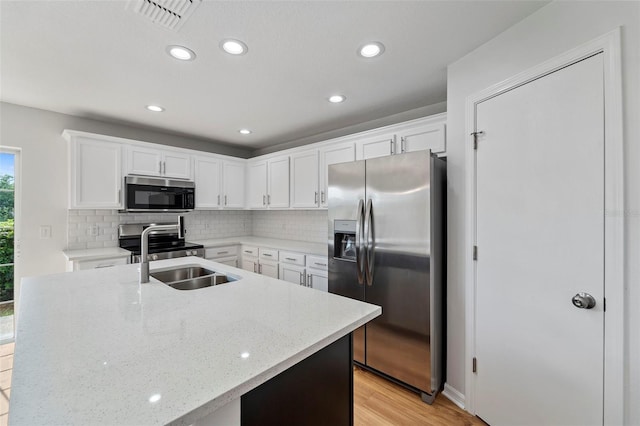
(369, 242)
(359, 246)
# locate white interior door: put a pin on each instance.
(540, 236)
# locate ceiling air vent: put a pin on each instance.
(170, 14)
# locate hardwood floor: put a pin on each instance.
(6, 365)
(377, 402)
(380, 402)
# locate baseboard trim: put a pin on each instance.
(453, 395)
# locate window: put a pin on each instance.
(7, 231)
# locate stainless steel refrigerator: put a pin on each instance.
(386, 247)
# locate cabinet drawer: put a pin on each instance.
(250, 251)
(230, 261)
(292, 258)
(103, 263)
(268, 254)
(317, 262)
(215, 252)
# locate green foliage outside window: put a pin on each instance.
(6, 236)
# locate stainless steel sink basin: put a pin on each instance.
(191, 277)
(200, 282)
(180, 274)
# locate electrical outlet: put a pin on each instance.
(94, 230)
(45, 232)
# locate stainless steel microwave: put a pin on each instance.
(146, 193)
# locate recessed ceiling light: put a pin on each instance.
(181, 52)
(155, 108)
(336, 99)
(245, 131)
(233, 47)
(371, 50)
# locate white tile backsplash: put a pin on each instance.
(301, 225)
(99, 228)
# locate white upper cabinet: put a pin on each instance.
(421, 134)
(95, 180)
(207, 178)
(257, 185)
(425, 136)
(219, 183)
(154, 162)
(278, 182)
(333, 154)
(268, 183)
(376, 146)
(304, 179)
(233, 184)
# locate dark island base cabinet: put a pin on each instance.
(316, 391)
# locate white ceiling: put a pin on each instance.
(98, 59)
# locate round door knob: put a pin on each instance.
(154, 257)
(583, 301)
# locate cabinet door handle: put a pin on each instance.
(319, 264)
(264, 198)
(310, 280)
(164, 167)
(290, 258)
(315, 197)
(267, 255)
(269, 199)
(322, 196)
(222, 252)
(255, 266)
(301, 278)
(160, 167)
(108, 265)
(259, 268)
(402, 147)
(391, 146)
(225, 200)
(218, 199)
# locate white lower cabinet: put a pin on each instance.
(293, 274)
(81, 265)
(317, 275)
(227, 255)
(269, 269)
(260, 260)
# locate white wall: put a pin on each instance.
(44, 176)
(554, 29)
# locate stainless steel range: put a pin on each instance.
(162, 244)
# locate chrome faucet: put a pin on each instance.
(144, 242)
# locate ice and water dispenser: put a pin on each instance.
(344, 239)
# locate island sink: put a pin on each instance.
(191, 277)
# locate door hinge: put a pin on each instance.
(475, 138)
(475, 252)
(475, 365)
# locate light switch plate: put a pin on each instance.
(45, 232)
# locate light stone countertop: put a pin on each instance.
(95, 254)
(97, 347)
(289, 245)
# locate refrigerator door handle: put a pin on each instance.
(359, 247)
(369, 242)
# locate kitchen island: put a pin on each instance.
(97, 347)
